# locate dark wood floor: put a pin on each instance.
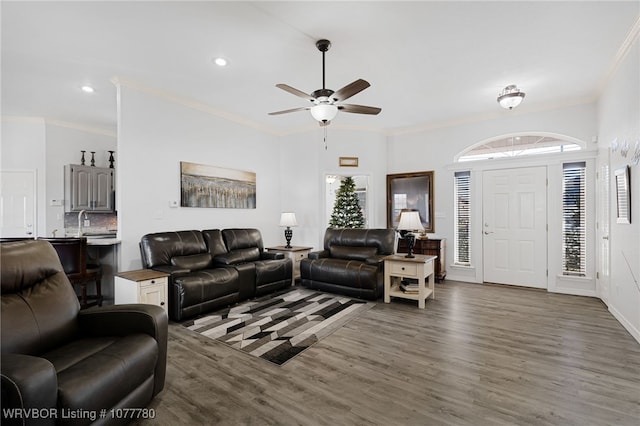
(478, 355)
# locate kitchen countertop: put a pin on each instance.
(103, 241)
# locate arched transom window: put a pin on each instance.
(518, 145)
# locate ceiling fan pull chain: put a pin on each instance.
(325, 138)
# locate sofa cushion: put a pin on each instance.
(192, 262)
(38, 306)
(158, 249)
(347, 273)
(95, 373)
(215, 242)
(239, 256)
(240, 238)
(352, 253)
(272, 271)
(382, 239)
(207, 284)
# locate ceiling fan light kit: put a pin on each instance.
(326, 102)
(510, 97)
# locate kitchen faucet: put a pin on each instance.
(80, 221)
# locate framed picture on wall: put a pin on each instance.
(623, 194)
(410, 191)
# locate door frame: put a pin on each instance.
(582, 286)
(545, 245)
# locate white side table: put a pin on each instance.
(142, 286)
(420, 268)
(296, 254)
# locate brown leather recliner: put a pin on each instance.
(57, 359)
(351, 262)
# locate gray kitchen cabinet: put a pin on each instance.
(89, 188)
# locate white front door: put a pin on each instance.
(514, 226)
(18, 204)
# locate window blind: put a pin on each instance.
(462, 231)
(574, 235)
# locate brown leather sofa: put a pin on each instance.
(351, 262)
(58, 359)
(212, 269)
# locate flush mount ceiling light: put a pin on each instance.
(221, 62)
(87, 89)
(510, 97)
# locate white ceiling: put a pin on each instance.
(428, 63)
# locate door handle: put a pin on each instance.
(606, 237)
(488, 232)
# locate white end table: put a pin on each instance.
(142, 286)
(420, 268)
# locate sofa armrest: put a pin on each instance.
(121, 320)
(319, 254)
(271, 255)
(28, 382)
(376, 260)
(174, 271)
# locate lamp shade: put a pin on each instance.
(410, 221)
(324, 112)
(288, 219)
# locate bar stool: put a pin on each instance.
(73, 256)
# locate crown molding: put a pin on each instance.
(193, 104)
(621, 54)
(494, 115)
(58, 123)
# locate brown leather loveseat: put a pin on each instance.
(58, 361)
(351, 262)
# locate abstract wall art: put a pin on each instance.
(216, 187)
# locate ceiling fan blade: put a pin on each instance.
(360, 109)
(295, 91)
(289, 110)
(350, 89)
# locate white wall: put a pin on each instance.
(305, 162)
(619, 119)
(154, 135)
(435, 149)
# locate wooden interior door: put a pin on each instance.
(515, 226)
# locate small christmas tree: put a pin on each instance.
(346, 211)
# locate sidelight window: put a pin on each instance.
(462, 216)
(574, 234)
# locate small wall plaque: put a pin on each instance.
(348, 162)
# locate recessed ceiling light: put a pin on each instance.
(88, 89)
(221, 62)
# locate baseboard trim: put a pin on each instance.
(625, 323)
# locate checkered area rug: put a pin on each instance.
(277, 328)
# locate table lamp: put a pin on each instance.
(409, 221)
(288, 219)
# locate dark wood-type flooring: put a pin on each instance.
(477, 355)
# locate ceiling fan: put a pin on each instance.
(326, 102)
